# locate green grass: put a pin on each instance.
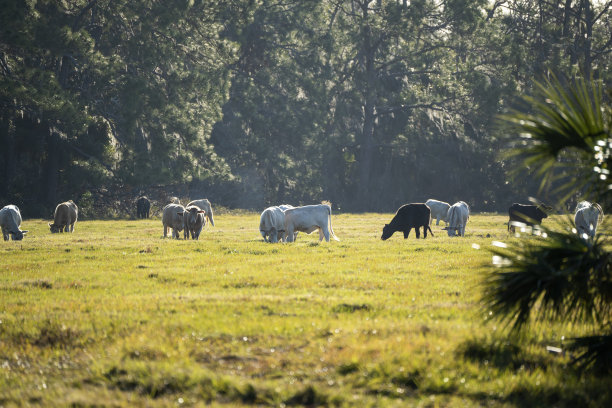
(115, 315)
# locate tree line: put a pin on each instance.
(368, 104)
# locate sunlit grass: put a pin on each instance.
(115, 314)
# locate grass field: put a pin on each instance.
(115, 315)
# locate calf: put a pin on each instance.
(439, 210)
(457, 217)
(521, 214)
(172, 219)
(407, 217)
(272, 224)
(204, 204)
(64, 217)
(193, 221)
(143, 206)
(10, 220)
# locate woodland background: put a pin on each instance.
(368, 104)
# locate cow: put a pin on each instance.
(307, 219)
(204, 204)
(439, 210)
(10, 220)
(143, 206)
(172, 219)
(587, 217)
(407, 217)
(64, 217)
(457, 218)
(193, 221)
(525, 214)
(272, 223)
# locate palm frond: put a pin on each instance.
(561, 277)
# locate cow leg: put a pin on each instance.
(274, 236)
(325, 234)
(417, 231)
(165, 231)
(425, 231)
(406, 233)
(5, 234)
(438, 221)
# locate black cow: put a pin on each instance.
(143, 205)
(407, 217)
(527, 214)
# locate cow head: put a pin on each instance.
(18, 236)
(451, 231)
(55, 228)
(387, 232)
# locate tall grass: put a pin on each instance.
(114, 314)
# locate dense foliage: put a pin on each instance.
(566, 276)
(369, 104)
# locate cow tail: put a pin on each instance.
(209, 215)
(430, 231)
(331, 230)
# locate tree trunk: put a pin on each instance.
(10, 162)
(51, 168)
(588, 18)
(369, 106)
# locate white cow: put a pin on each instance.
(439, 210)
(64, 217)
(587, 217)
(204, 204)
(457, 217)
(10, 220)
(172, 219)
(308, 219)
(272, 224)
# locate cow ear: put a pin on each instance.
(50, 224)
(201, 212)
(24, 232)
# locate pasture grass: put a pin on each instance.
(115, 315)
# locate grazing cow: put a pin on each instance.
(64, 217)
(10, 220)
(522, 214)
(457, 217)
(143, 206)
(587, 217)
(439, 210)
(172, 219)
(272, 223)
(193, 221)
(204, 204)
(407, 217)
(308, 219)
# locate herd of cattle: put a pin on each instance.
(283, 223)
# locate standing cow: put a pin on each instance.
(587, 217)
(307, 219)
(172, 219)
(439, 210)
(521, 214)
(457, 217)
(143, 206)
(204, 204)
(193, 221)
(64, 217)
(10, 220)
(407, 217)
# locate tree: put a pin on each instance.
(563, 276)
